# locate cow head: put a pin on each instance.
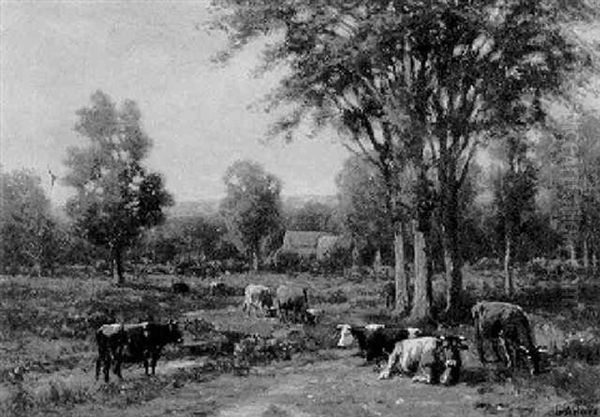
(413, 332)
(451, 362)
(346, 338)
(175, 335)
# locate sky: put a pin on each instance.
(54, 55)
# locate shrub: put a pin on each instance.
(581, 351)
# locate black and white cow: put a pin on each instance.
(133, 343)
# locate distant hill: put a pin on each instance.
(207, 207)
(194, 208)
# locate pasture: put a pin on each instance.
(47, 351)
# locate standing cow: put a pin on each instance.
(292, 303)
(430, 359)
(506, 326)
(257, 298)
(133, 343)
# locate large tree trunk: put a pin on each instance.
(117, 263)
(508, 273)
(451, 242)
(421, 310)
(400, 276)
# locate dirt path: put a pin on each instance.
(338, 386)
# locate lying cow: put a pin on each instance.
(375, 340)
(388, 292)
(258, 298)
(429, 359)
(292, 303)
(133, 343)
(506, 326)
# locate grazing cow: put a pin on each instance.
(388, 292)
(429, 359)
(292, 303)
(375, 340)
(133, 343)
(257, 298)
(506, 326)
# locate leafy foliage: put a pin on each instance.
(26, 224)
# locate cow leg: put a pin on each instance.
(98, 366)
(392, 361)
(506, 357)
(496, 346)
(424, 375)
(118, 363)
(479, 342)
(154, 361)
(106, 368)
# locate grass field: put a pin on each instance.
(47, 352)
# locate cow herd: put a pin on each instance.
(429, 358)
(437, 358)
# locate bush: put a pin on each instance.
(286, 262)
(577, 380)
(581, 351)
(336, 259)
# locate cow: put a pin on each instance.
(180, 288)
(133, 343)
(430, 359)
(375, 340)
(313, 315)
(257, 298)
(388, 292)
(506, 326)
(216, 288)
(292, 303)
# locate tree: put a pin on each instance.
(116, 196)
(362, 206)
(26, 225)
(432, 78)
(514, 198)
(252, 205)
